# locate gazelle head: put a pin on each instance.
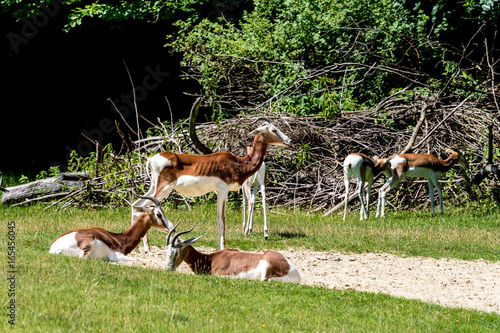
(156, 214)
(382, 165)
(459, 157)
(272, 135)
(175, 246)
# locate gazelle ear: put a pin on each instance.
(190, 241)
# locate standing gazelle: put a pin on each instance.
(364, 169)
(254, 183)
(196, 175)
(419, 165)
(228, 262)
(100, 244)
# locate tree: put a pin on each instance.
(325, 57)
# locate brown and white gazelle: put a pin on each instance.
(250, 187)
(195, 175)
(96, 243)
(364, 169)
(419, 165)
(228, 262)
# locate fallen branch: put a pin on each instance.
(43, 188)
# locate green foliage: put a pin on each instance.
(115, 174)
(304, 154)
(284, 45)
(78, 11)
(302, 57)
(53, 171)
(24, 179)
(325, 57)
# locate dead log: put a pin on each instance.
(44, 187)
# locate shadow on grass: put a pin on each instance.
(291, 235)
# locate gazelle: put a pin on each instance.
(228, 262)
(364, 169)
(96, 243)
(195, 175)
(419, 165)
(254, 183)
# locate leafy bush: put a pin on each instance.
(325, 57)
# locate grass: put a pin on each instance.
(60, 294)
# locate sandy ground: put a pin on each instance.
(448, 282)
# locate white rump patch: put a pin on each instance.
(66, 245)
(352, 160)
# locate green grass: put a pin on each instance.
(60, 294)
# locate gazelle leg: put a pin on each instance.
(263, 193)
(395, 179)
(252, 209)
(347, 184)
(367, 202)
(244, 192)
(431, 193)
(361, 186)
(221, 217)
(381, 198)
(440, 196)
(433, 181)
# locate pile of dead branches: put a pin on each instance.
(310, 174)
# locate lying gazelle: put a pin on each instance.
(232, 263)
(419, 165)
(196, 175)
(96, 243)
(364, 169)
(254, 183)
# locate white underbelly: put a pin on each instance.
(192, 186)
(417, 172)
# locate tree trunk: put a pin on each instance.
(65, 181)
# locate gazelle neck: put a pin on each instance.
(130, 238)
(450, 161)
(255, 156)
(199, 263)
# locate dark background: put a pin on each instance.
(57, 86)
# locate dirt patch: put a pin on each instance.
(448, 282)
